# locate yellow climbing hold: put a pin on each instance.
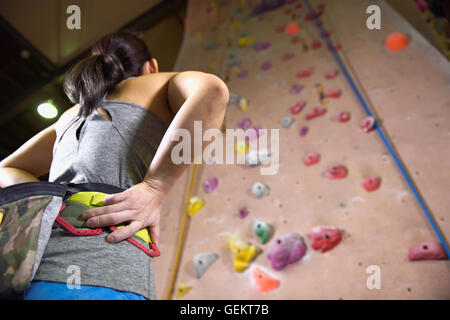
(199, 35)
(243, 252)
(182, 289)
(243, 3)
(243, 103)
(213, 67)
(236, 25)
(241, 148)
(1, 217)
(243, 42)
(235, 70)
(212, 5)
(195, 204)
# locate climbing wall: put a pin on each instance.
(407, 91)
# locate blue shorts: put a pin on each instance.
(44, 290)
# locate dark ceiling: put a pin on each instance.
(26, 81)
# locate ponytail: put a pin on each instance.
(113, 59)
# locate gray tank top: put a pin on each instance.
(116, 152)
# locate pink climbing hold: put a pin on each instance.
(209, 185)
(298, 107)
(245, 123)
(264, 282)
(368, 124)
(304, 73)
(316, 112)
(253, 133)
(266, 66)
(427, 251)
(331, 74)
(372, 183)
(311, 158)
(336, 172)
(295, 40)
(243, 212)
(316, 44)
(303, 131)
(344, 116)
(287, 56)
(296, 88)
(286, 250)
(325, 238)
(333, 93)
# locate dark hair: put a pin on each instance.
(114, 58)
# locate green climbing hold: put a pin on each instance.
(261, 230)
(244, 34)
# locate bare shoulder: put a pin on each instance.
(68, 115)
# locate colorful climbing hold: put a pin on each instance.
(209, 185)
(241, 148)
(236, 25)
(396, 41)
(261, 229)
(253, 133)
(333, 93)
(287, 56)
(295, 89)
(311, 158)
(292, 28)
(336, 172)
(331, 74)
(304, 73)
(242, 74)
(260, 189)
(427, 251)
(234, 53)
(199, 35)
(245, 123)
(234, 99)
(243, 253)
(243, 103)
(295, 39)
(203, 261)
(195, 205)
(315, 112)
(371, 183)
(344, 116)
(243, 212)
(303, 131)
(316, 44)
(266, 66)
(368, 124)
(298, 107)
(255, 158)
(325, 238)
(182, 289)
(286, 122)
(286, 250)
(263, 281)
(1, 217)
(259, 46)
(243, 42)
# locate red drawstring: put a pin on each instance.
(154, 252)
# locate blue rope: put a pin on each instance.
(378, 128)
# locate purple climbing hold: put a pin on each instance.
(253, 134)
(286, 250)
(243, 212)
(287, 56)
(266, 65)
(259, 46)
(245, 123)
(209, 185)
(295, 89)
(303, 131)
(242, 74)
(266, 6)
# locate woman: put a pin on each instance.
(119, 132)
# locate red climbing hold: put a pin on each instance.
(336, 172)
(372, 183)
(311, 158)
(299, 106)
(427, 251)
(368, 124)
(316, 112)
(316, 44)
(304, 73)
(333, 93)
(344, 116)
(325, 238)
(295, 39)
(264, 282)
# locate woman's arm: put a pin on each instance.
(33, 158)
(193, 96)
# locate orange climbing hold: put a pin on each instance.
(396, 41)
(264, 282)
(292, 28)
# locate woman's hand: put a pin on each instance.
(140, 206)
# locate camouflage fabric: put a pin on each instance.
(19, 233)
